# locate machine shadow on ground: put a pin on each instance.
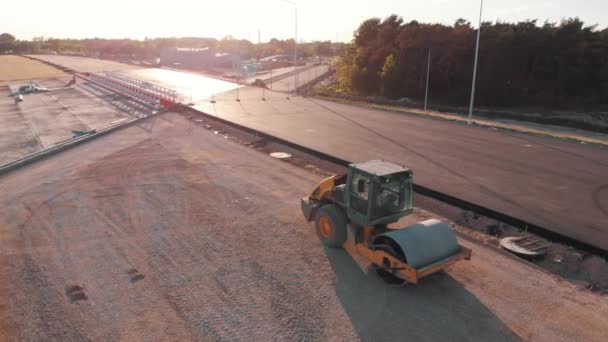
(437, 309)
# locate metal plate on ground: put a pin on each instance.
(524, 245)
(280, 155)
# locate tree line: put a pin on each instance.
(521, 63)
(150, 48)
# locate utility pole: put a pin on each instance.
(428, 72)
(475, 66)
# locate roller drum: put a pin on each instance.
(423, 243)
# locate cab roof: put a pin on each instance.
(380, 167)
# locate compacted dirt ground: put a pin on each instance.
(84, 64)
(14, 68)
(167, 231)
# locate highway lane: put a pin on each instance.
(305, 76)
(195, 87)
(559, 185)
(191, 86)
(275, 73)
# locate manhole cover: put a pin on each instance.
(280, 155)
(527, 246)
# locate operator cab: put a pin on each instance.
(378, 192)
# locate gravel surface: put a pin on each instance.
(167, 231)
(181, 238)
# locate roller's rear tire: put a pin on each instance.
(330, 224)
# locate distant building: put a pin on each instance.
(225, 60)
(275, 61)
(195, 58)
(277, 58)
(188, 58)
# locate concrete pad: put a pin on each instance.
(17, 138)
(45, 119)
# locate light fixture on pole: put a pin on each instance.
(295, 46)
(475, 66)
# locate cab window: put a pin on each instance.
(359, 196)
(392, 196)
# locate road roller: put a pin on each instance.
(354, 210)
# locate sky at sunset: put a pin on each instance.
(317, 20)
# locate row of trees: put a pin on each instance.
(519, 63)
(150, 48)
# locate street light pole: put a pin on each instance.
(475, 66)
(295, 46)
(428, 72)
(295, 53)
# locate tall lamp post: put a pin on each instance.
(475, 66)
(428, 73)
(295, 45)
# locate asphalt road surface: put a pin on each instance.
(304, 76)
(559, 185)
(166, 231)
(191, 86)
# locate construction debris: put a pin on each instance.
(76, 134)
(558, 259)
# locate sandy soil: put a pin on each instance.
(167, 231)
(13, 68)
(158, 238)
(84, 64)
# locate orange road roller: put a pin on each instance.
(353, 211)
